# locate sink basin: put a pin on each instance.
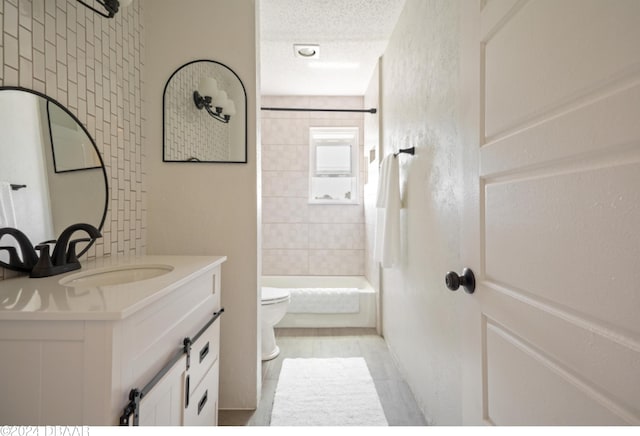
(115, 275)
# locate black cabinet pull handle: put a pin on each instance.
(202, 401)
(204, 352)
(186, 397)
(467, 280)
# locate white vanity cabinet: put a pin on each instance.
(187, 394)
(70, 356)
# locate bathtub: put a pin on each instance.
(365, 317)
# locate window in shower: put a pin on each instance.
(333, 165)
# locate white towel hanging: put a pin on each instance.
(7, 209)
(387, 243)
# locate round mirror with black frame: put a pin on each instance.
(51, 172)
(204, 115)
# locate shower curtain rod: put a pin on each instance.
(296, 109)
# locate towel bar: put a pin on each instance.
(410, 151)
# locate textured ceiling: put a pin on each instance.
(351, 33)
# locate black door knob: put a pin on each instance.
(467, 280)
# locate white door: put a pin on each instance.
(551, 101)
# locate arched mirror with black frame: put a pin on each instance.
(51, 172)
(204, 115)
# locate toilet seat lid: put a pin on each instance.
(274, 295)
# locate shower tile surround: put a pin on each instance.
(300, 238)
(93, 66)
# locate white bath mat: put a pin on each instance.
(333, 392)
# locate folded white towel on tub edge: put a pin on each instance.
(324, 300)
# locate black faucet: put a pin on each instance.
(60, 254)
(29, 255)
(63, 258)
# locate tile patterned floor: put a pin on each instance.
(397, 400)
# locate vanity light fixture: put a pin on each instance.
(213, 100)
(110, 6)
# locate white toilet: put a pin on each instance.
(274, 306)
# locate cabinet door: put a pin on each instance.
(202, 407)
(164, 404)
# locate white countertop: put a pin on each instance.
(24, 298)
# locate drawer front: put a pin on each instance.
(204, 353)
(203, 403)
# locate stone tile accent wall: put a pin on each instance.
(93, 66)
(300, 238)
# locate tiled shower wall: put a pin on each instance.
(300, 238)
(93, 66)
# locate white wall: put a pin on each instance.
(205, 208)
(371, 159)
(419, 97)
